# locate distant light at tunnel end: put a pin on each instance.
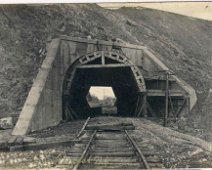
(101, 91)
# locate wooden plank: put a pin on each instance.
(110, 127)
(114, 159)
(115, 154)
(41, 146)
(102, 66)
(143, 109)
(172, 107)
(102, 42)
(16, 148)
(158, 78)
(20, 143)
(130, 164)
(180, 108)
(157, 165)
(145, 105)
(29, 139)
(12, 140)
(137, 106)
(19, 140)
(172, 93)
(103, 59)
(3, 145)
(166, 101)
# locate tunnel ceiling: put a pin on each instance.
(104, 77)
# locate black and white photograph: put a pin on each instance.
(106, 85)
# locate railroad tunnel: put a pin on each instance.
(73, 65)
(101, 68)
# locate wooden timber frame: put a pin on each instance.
(114, 55)
(86, 63)
(141, 105)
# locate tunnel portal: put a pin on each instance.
(102, 68)
(72, 65)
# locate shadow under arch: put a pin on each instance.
(101, 68)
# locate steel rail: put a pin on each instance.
(141, 155)
(83, 128)
(85, 151)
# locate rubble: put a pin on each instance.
(6, 123)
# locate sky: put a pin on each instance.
(198, 9)
(100, 92)
(202, 10)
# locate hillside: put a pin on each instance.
(182, 43)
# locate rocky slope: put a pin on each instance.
(182, 43)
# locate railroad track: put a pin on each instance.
(106, 149)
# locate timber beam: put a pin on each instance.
(161, 93)
(102, 66)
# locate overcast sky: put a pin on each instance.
(202, 10)
(100, 92)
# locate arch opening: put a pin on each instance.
(108, 69)
(102, 100)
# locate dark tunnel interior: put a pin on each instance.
(121, 79)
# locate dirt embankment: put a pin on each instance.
(183, 43)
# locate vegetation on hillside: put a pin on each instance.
(182, 43)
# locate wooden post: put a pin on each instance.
(137, 106)
(142, 107)
(145, 105)
(167, 100)
(103, 58)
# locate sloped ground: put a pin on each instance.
(182, 43)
